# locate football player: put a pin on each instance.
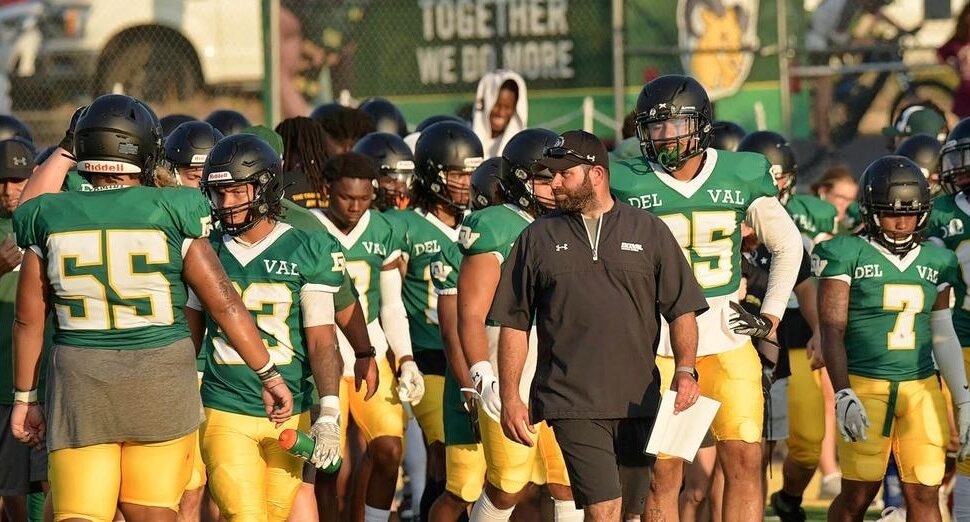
(703, 195)
(114, 264)
(287, 279)
(186, 149)
(485, 241)
(949, 226)
(924, 150)
(798, 330)
(372, 252)
(445, 156)
(884, 311)
(395, 162)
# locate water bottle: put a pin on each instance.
(892, 490)
(301, 445)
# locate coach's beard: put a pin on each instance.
(577, 201)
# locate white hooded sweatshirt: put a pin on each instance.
(485, 98)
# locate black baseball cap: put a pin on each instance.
(16, 159)
(575, 147)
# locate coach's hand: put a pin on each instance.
(687, 391)
(963, 424)
(365, 371)
(277, 400)
(850, 415)
(515, 422)
(27, 423)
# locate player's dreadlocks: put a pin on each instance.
(304, 148)
(350, 165)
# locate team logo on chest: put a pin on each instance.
(726, 196)
(280, 267)
(427, 247)
(868, 271)
(645, 201)
(930, 274)
(374, 248)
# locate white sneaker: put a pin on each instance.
(893, 514)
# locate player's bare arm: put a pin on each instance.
(807, 295)
(448, 323)
(477, 280)
(204, 274)
(351, 322)
(49, 175)
(513, 347)
(683, 342)
(325, 361)
(27, 419)
(833, 308)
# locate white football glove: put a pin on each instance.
(486, 384)
(963, 421)
(410, 383)
(850, 415)
(326, 434)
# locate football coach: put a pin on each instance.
(595, 276)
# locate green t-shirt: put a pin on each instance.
(8, 296)
(949, 224)
(271, 277)
(705, 213)
(422, 236)
(813, 216)
(888, 335)
(114, 261)
(370, 246)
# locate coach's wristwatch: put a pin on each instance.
(690, 370)
(366, 355)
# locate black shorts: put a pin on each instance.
(22, 469)
(605, 459)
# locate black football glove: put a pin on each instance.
(746, 323)
(68, 142)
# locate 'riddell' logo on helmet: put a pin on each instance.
(109, 167)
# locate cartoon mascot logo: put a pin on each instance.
(718, 29)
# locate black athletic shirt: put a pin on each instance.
(597, 319)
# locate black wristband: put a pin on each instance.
(269, 374)
(366, 355)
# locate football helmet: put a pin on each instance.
(394, 160)
(244, 158)
(11, 127)
(924, 150)
(894, 185)
(780, 154)
(485, 188)
(443, 147)
(228, 121)
(431, 120)
(190, 143)
(521, 153)
(387, 117)
(673, 121)
(170, 122)
(118, 134)
(955, 158)
(727, 135)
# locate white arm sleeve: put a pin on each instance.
(193, 301)
(949, 355)
(317, 307)
(777, 231)
(394, 317)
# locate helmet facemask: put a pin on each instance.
(394, 187)
(444, 186)
(692, 134)
(255, 209)
(897, 243)
(955, 163)
(785, 182)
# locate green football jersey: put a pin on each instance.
(370, 246)
(421, 237)
(270, 276)
(888, 335)
(444, 269)
(812, 216)
(75, 182)
(949, 225)
(492, 230)
(8, 295)
(114, 261)
(705, 213)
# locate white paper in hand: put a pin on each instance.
(681, 435)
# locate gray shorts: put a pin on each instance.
(97, 396)
(605, 459)
(21, 467)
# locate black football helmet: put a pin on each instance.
(190, 143)
(325, 110)
(244, 158)
(431, 120)
(924, 150)
(485, 188)
(780, 154)
(443, 147)
(11, 127)
(170, 122)
(394, 160)
(727, 135)
(228, 121)
(118, 134)
(521, 153)
(678, 101)
(955, 158)
(387, 117)
(894, 185)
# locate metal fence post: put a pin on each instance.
(619, 78)
(784, 72)
(270, 12)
